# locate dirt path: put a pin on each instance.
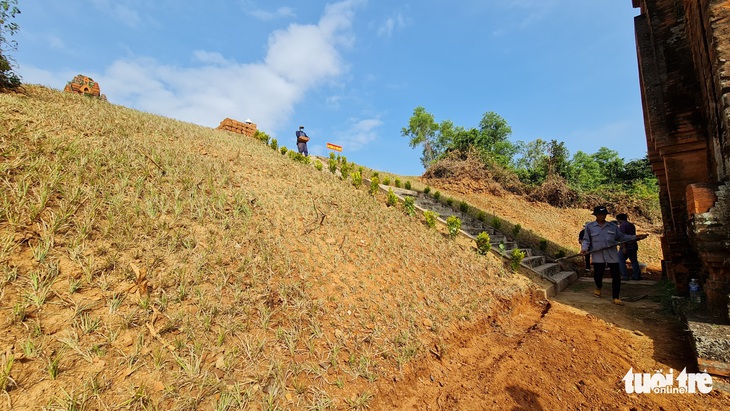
(570, 353)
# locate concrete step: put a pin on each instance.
(533, 261)
(564, 279)
(548, 269)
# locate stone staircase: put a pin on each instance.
(557, 278)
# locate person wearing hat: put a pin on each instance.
(302, 139)
(602, 236)
(628, 250)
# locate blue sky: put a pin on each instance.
(352, 71)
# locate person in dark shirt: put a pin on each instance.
(302, 139)
(587, 257)
(628, 250)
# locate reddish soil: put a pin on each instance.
(569, 353)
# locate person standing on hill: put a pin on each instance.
(601, 237)
(302, 139)
(628, 250)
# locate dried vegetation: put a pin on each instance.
(148, 263)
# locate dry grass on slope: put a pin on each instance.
(152, 264)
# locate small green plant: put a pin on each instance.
(449, 201)
(463, 207)
(409, 206)
(274, 144)
(437, 195)
(345, 169)
(54, 366)
(283, 150)
(6, 365)
(560, 254)
(318, 165)
(483, 243)
(392, 198)
(453, 223)
(386, 181)
(482, 216)
(502, 248)
(407, 185)
(427, 190)
(374, 185)
(516, 230)
(332, 163)
(516, 257)
(496, 222)
(332, 156)
(397, 182)
(356, 179)
(431, 217)
(261, 136)
(543, 245)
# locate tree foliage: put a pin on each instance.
(8, 11)
(491, 139)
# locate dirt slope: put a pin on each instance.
(152, 264)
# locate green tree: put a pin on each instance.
(422, 130)
(610, 163)
(8, 10)
(529, 165)
(585, 172)
(637, 170)
(494, 135)
(558, 162)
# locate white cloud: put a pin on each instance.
(360, 133)
(396, 22)
(298, 59)
(265, 15)
(207, 57)
(119, 11)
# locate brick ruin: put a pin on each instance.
(84, 85)
(683, 49)
(247, 128)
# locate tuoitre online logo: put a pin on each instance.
(658, 383)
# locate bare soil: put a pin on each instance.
(569, 353)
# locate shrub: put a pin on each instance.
(453, 223)
(560, 254)
(397, 183)
(261, 136)
(496, 222)
(409, 206)
(427, 190)
(516, 229)
(332, 156)
(483, 243)
(431, 217)
(299, 157)
(543, 245)
(407, 185)
(356, 179)
(449, 201)
(392, 198)
(386, 181)
(516, 257)
(374, 185)
(482, 216)
(318, 165)
(437, 195)
(274, 144)
(332, 163)
(345, 169)
(463, 207)
(376, 174)
(283, 150)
